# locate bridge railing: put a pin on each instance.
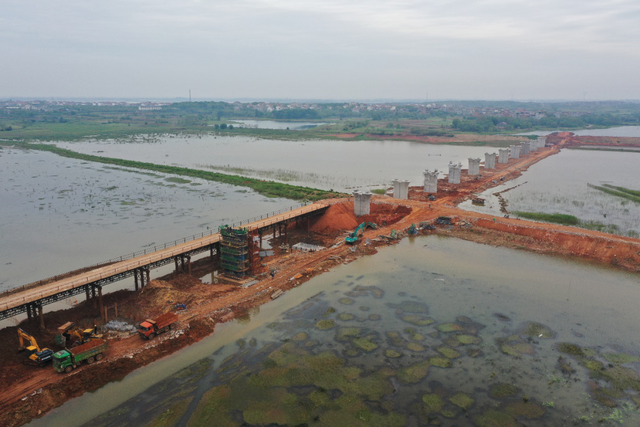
(150, 249)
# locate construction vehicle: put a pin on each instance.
(68, 359)
(71, 335)
(353, 237)
(152, 327)
(37, 355)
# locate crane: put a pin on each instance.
(37, 355)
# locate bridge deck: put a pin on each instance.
(27, 296)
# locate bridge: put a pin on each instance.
(31, 298)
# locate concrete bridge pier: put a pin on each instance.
(362, 202)
(474, 166)
(503, 156)
(489, 160)
(430, 181)
(515, 151)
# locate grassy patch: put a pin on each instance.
(623, 192)
(555, 217)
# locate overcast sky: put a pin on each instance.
(330, 49)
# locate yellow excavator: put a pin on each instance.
(37, 355)
(70, 335)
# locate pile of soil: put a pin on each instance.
(340, 217)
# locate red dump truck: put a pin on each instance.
(67, 360)
(152, 327)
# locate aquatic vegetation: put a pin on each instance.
(462, 400)
(325, 324)
(391, 353)
(537, 330)
(414, 373)
(467, 339)
(449, 327)
(448, 352)
(300, 336)
(365, 344)
(440, 362)
(502, 390)
(621, 358)
(416, 319)
(433, 403)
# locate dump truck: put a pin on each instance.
(68, 359)
(37, 355)
(152, 327)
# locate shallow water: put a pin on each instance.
(474, 326)
(272, 124)
(325, 164)
(61, 214)
(614, 131)
(558, 184)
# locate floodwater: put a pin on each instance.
(558, 184)
(433, 329)
(60, 214)
(614, 131)
(272, 124)
(325, 164)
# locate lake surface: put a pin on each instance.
(558, 184)
(272, 124)
(60, 214)
(614, 131)
(326, 164)
(430, 330)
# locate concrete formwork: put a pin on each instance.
(525, 148)
(503, 157)
(400, 189)
(430, 181)
(474, 166)
(362, 202)
(454, 173)
(490, 160)
(514, 152)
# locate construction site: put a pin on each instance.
(253, 264)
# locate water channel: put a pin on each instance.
(431, 329)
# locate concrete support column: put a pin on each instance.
(430, 181)
(490, 160)
(400, 189)
(474, 166)
(362, 202)
(525, 148)
(514, 151)
(454, 173)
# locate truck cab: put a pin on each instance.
(62, 360)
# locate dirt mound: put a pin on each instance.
(339, 217)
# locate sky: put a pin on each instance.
(329, 49)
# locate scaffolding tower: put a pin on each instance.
(235, 257)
